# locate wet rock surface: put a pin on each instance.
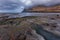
(30, 28)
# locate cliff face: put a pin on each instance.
(44, 9)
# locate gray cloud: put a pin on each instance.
(10, 6)
(18, 5)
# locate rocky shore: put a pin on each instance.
(30, 28)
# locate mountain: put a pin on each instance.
(50, 9)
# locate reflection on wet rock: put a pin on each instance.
(30, 28)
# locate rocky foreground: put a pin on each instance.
(30, 28)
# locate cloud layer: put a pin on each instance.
(15, 6)
(12, 6)
(45, 2)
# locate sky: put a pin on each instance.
(14, 6)
(11, 6)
